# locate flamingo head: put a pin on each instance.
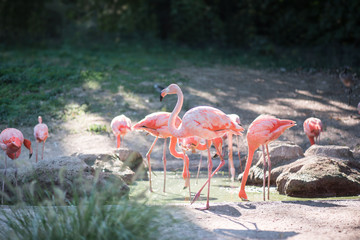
(138, 126)
(171, 89)
(40, 119)
(289, 124)
(189, 143)
(235, 118)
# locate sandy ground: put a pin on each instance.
(248, 93)
(273, 220)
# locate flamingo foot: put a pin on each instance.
(203, 208)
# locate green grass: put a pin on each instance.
(47, 81)
(63, 82)
(96, 128)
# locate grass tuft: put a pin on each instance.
(100, 213)
(97, 128)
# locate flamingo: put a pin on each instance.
(347, 79)
(262, 131)
(120, 126)
(312, 128)
(41, 133)
(203, 121)
(156, 124)
(11, 140)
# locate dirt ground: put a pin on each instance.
(248, 93)
(272, 220)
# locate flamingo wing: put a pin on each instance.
(266, 128)
(209, 122)
(41, 132)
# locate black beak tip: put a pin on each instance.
(30, 155)
(161, 98)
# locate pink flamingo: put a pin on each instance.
(312, 128)
(11, 140)
(205, 122)
(41, 133)
(120, 126)
(262, 131)
(156, 124)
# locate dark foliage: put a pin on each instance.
(194, 22)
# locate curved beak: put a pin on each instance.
(30, 154)
(162, 94)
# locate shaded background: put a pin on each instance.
(232, 23)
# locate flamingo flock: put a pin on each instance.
(198, 129)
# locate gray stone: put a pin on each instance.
(126, 164)
(333, 151)
(281, 154)
(320, 176)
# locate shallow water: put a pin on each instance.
(222, 190)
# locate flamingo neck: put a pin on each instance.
(312, 141)
(172, 148)
(176, 132)
(247, 168)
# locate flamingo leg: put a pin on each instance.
(186, 172)
(238, 147)
(148, 159)
(264, 177)
(222, 162)
(198, 172)
(16, 172)
(210, 165)
(37, 150)
(164, 160)
(118, 141)
(3, 183)
(231, 161)
(269, 170)
(42, 153)
(349, 96)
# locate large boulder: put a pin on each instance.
(281, 154)
(326, 171)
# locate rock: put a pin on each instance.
(66, 173)
(110, 163)
(333, 151)
(281, 154)
(320, 176)
(131, 158)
